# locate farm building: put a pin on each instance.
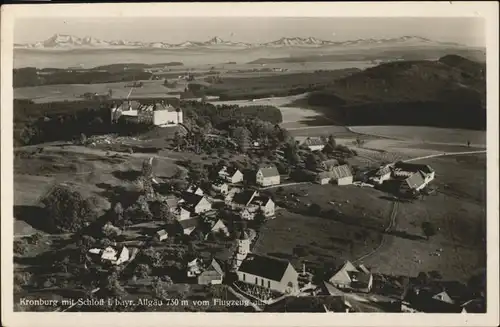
(314, 144)
(158, 114)
(161, 235)
(195, 203)
(406, 169)
(414, 182)
(350, 277)
(267, 176)
(340, 175)
(213, 275)
(266, 272)
(231, 174)
(381, 175)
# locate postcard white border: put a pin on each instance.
(486, 10)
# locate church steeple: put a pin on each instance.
(242, 248)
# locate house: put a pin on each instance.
(264, 204)
(403, 170)
(187, 226)
(193, 268)
(172, 201)
(161, 235)
(213, 275)
(424, 300)
(267, 176)
(414, 182)
(231, 174)
(342, 175)
(350, 277)
(271, 273)
(314, 144)
(182, 214)
(115, 257)
(195, 190)
(381, 175)
(95, 251)
(247, 214)
(195, 203)
(324, 177)
(220, 188)
(218, 226)
(327, 165)
(242, 199)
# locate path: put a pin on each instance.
(392, 222)
(445, 154)
(283, 185)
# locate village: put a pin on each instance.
(207, 230)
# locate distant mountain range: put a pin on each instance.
(60, 41)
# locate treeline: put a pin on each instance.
(29, 76)
(450, 92)
(223, 115)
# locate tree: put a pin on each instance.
(147, 168)
(67, 210)
(142, 270)
(83, 139)
(179, 142)
(242, 137)
(312, 161)
(85, 243)
(165, 213)
(428, 229)
(291, 154)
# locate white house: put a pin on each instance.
(111, 255)
(350, 277)
(193, 268)
(265, 204)
(314, 144)
(158, 114)
(181, 213)
(381, 175)
(195, 203)
(161, 235)
(195, 190)
(267, 176)
(221, 188)
(231, 175)
(266, 272)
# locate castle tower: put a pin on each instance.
(242, 249)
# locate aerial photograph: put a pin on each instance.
(250, 164)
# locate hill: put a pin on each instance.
(449, 92)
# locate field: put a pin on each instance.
(74, 92)
(90, 171)
(426, 134)
(457, 211)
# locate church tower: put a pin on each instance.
(242, 248)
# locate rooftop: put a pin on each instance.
(267, 267)
(269, 171)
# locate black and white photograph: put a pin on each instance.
(264, 164)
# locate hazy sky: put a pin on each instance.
(470, 31)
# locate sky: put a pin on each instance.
(469, 31)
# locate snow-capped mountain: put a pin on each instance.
(61, 41)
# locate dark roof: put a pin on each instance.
(244, 197)
(191, 199)
(243, 234)
(415, 180)
(424, 302)
(309, 304)
(408, 166)
(188, 223)
(260, 200)
(269, 171)
(267, 267)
